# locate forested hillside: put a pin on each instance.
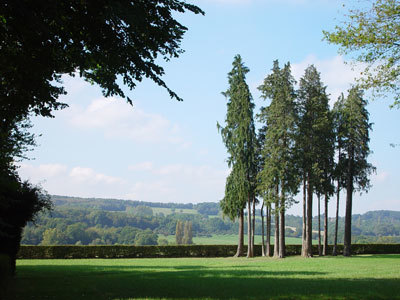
(110, 221)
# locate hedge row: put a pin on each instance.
(65, 252)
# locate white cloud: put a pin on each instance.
(335, 73)
(118, 120)
(178, 183)
(43, 171)
(79, 181)
(88, 175)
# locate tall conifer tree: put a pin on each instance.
(279, 171)
(239, 138)
(356, 150)
(338, 122)
(312, 113)
(179, 233)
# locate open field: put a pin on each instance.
(230, 239)
(167, 211)
(359, 277)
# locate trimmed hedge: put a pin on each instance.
(66, 252)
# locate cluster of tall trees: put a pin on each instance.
(301, 143)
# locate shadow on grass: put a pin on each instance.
(184, 282)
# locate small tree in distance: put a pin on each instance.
(179, 233)
(187, 234)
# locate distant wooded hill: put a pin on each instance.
(97, 221)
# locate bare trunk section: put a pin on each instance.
(349, 200)
(334, 252)
(325, 249)
(240, 247)
(282, 226)
(268, 244)
(262, 231)
(276, 243)
(254, 225)
(319, 225)
(308, 248)
(249, 248)
(303, 234)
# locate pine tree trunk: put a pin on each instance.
(262, 231)
(303, 234)
(268, 245)
(276, 243)
(240, 247)
(249, 250)
(325, 249)
(282, 226)
(308, 248)
(349, 200)
(334, 252)
(319, 225)
(254, 225)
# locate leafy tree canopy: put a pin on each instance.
(102, 40)
(374, 35)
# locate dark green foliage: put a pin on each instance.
(207, 208)
(64, 252)
(19, 203)
(146, 237)
(5, 269)
(53, 252)
(238, 134)
(5, 274)
(101, 40)
(278, 152)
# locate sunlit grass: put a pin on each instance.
(359, 277)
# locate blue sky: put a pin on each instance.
(168, 151)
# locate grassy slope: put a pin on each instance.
(361, 277)
(167, 211)
(230, 239)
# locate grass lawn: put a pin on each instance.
(359, 277)
(230, 239)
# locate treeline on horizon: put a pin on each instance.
(110, 222)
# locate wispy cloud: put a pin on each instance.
(178, 183)
(118, 120)
(81, 181)
(89, 176)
